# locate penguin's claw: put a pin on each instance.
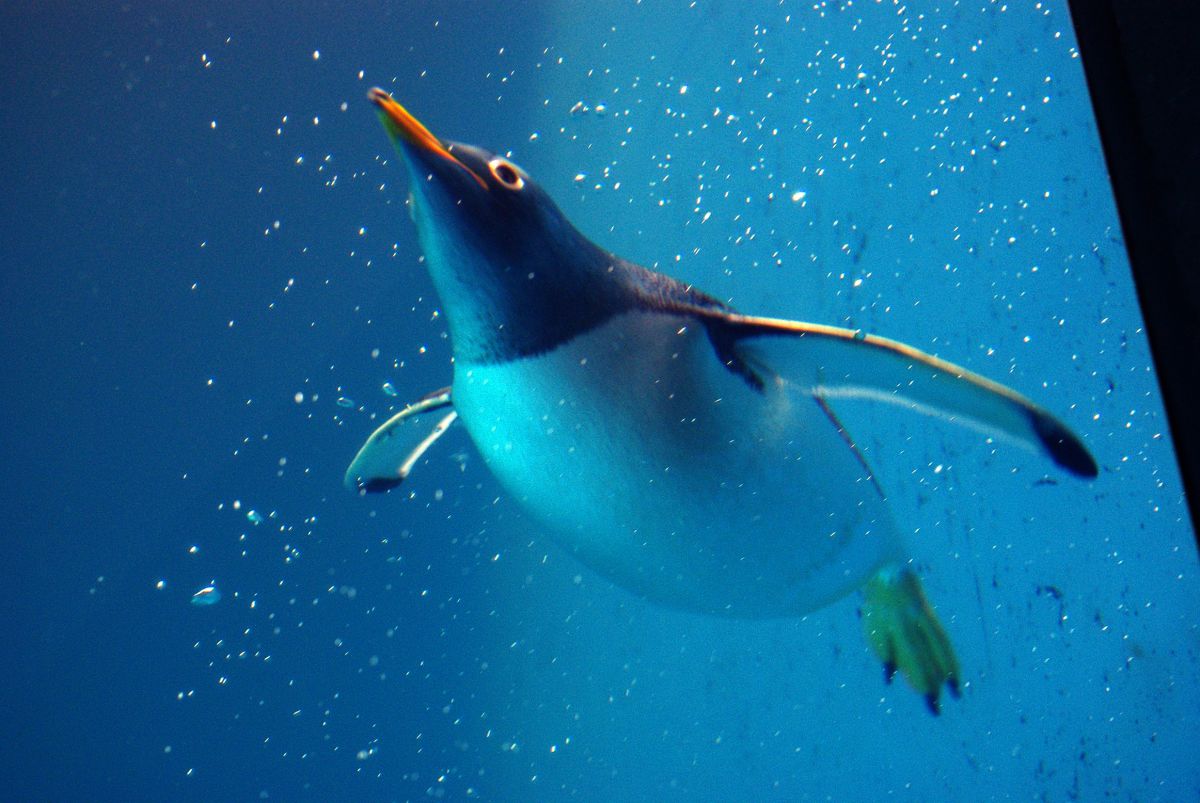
(906, 635)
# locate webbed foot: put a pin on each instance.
(906, 635)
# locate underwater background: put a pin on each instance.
(209, 275)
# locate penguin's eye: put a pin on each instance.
(506, 174)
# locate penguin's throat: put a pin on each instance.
(500, 310)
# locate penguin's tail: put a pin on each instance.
(906, 635)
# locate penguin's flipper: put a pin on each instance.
(834, 363)
(388, 456)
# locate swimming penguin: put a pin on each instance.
(686, 451)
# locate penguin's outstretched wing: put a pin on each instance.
(833, 363)
(388, 456)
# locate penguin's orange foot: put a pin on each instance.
(906, 635)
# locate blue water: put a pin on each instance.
(202, 218)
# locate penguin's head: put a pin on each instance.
(515, 277)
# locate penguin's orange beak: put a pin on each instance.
(403, 126)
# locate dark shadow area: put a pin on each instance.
(1141, 67)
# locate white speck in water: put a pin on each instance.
(209, 595)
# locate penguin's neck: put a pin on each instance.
(502, 307)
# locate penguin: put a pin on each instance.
(686, 451)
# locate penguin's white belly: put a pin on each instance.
(664, 471)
